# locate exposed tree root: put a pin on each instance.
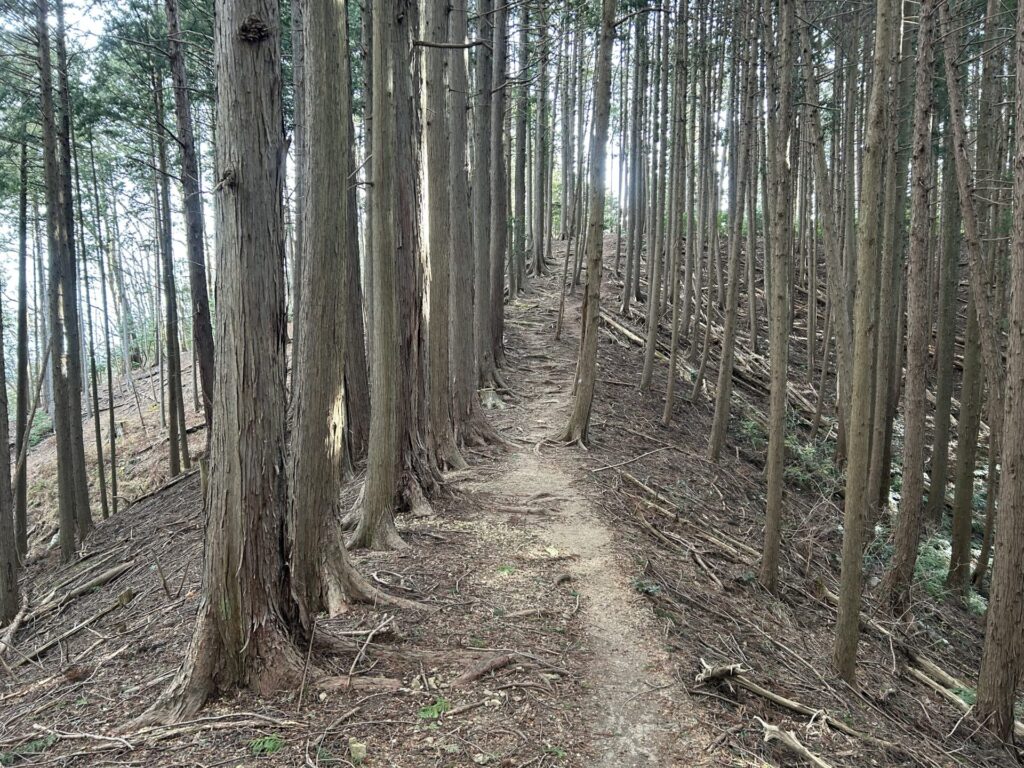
(269, 663)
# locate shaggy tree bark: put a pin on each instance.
(321, 574)
(399, 460)
(1001, 658)
(576, 430)
(241, 637)
(436, 218)
(468, 424)
(481, 208)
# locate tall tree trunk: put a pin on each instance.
(241, 636)
(21, 426)
(322, 577)
(966, 456)
(436, 218)
(909, 522)
(949, 280)
(499, 185)
(1001, 657)
(58, 249)
(10, 599)
(858, 494)
(481, 207)
(357, 374)
(175, 396)
(468, 424)
(111, 416)
(69, 290)
(202, 329)
(576, 431)
(780, 130)
(743, 125)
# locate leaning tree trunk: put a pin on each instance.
(576, 431)
(241, 637)
(202, 329)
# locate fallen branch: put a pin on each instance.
(55, 603)
(491, 665)
(123, 600)
(736, 673)
(347, 683)
(788, 738)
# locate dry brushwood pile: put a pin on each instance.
(586, 609)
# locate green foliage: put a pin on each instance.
(754, 433)
(968, 695)
(810, 465)
(41, 428)
(506, 570)
(28, 749)
(645, 587)
(558, 752)
(435, 710)
(266, 745)
(932, 566)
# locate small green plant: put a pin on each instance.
(28, 749)
(435, 710)
(266, 745)
(932, 566)
(41, 427)
(645, 587)
(558, 752)
(754, 433)
(506, 570)
(968, 695)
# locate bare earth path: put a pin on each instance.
(637, 713)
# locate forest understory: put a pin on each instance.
(593, 607)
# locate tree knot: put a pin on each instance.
(227, 180)
(254, 30)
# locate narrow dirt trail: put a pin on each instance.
(635, 711)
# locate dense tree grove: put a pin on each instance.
(320, 212)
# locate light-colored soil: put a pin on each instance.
(636, 711)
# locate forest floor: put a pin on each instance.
(578, 596)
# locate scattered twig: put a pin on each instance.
(774, 733)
